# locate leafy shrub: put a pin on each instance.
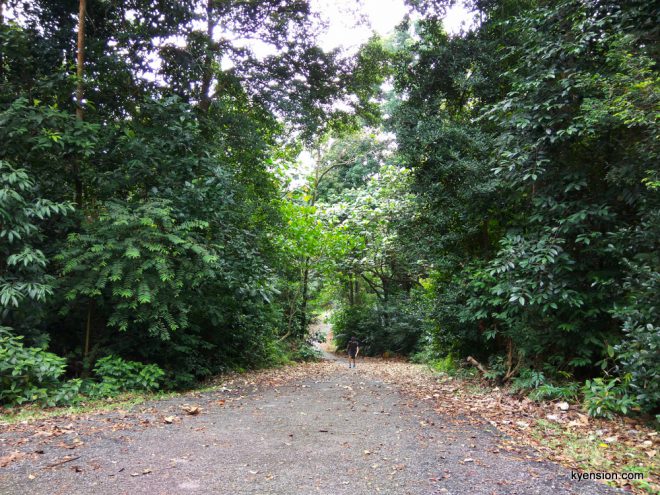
(141, 262)
(496, 368)
(639, 352)
(23, 274)
(550, 391)
(273, 353)
(527, 379)
(446, 364)
(380, 328)
(118, 375)
(306, 353)
(69, 392)
(28, 374)
(605, 397)
(360, 322)
(425, 356)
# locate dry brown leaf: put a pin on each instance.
(11, 457)
(191, 410)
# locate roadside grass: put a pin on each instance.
(592, 454)
(280, 371)
(33, 412)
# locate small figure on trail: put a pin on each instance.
(353, 348)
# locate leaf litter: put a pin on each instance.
(624, 443)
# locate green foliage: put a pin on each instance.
(117, 375)
(389, 328)
(446, 319)
(359, 322)
(605, 397)
(33, 375)
(549, 391)
(23, 274)
(446, 364)
(513, 217)
(638, 354)
(374, 273)
(142, 262)
(349, 163)
(528, 380)
(30, 374)
(533, 172)
(306, 353)
(176, 239)
(424, 356)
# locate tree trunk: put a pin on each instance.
(385, 316)
(207, 73)
(2, 21)
(88, 339)
(513, 361)
(477, 365)
(351, 294)
(88, 330)
(80, 94)
(485, 237)
(305, 296)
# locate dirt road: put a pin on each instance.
(314, 429)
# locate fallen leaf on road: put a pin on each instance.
(8, 459)
(192, 410)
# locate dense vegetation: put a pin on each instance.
(497, 198)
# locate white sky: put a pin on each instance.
(345, 30)
(350, 23)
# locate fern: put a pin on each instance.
(121, 261)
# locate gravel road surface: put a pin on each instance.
(328, 430)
